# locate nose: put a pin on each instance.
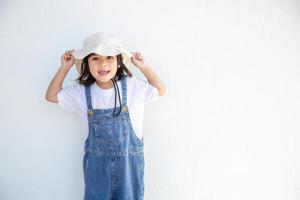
(104, 67)
(104, 64)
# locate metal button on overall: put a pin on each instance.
(124, 109)
(90, 112)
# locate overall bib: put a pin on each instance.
(113, 162)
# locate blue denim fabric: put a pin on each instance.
(113, 162)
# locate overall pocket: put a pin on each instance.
(110, 132)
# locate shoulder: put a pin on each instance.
(77, 87)
(71, 97)
(75, 91)
(141, 87)
(136, 82)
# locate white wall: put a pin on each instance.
(226, 130)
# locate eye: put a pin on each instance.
(110, 57)
(94, 58)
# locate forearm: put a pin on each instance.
(153, 79)
(56, 84)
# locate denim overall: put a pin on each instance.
(113, 162)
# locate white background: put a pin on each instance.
(226, 130)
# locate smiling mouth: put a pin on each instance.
(103, 73)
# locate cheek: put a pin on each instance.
(114, 67)
(93, 69)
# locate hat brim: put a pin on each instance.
(100, 49)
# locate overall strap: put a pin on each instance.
(88, 96)
(124, 91)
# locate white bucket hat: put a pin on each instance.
(101, 43)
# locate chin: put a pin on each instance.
(104, 79)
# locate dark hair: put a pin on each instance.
(86, 78)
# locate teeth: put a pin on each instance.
(103, 72)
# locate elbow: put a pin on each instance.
(47, 97)
(162, 91)
(51, 99)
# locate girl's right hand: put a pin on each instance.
(67, 59)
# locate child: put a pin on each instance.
(113, 163)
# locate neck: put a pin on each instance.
(105, 85)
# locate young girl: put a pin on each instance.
(113, 162)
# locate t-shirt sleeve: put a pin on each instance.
(149, 92)
(69, 98)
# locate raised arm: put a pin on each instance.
(153, 78)
(67, 61)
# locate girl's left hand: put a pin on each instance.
(137, 59)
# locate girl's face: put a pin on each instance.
(102, 68)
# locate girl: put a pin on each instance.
(113, 162)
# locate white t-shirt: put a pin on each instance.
(139, 93)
